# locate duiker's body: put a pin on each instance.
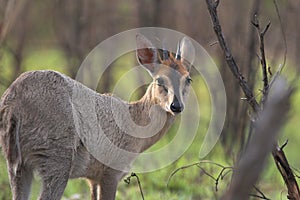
(38, 131)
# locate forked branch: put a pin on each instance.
(224, 171)
(283, 166)
(261, 34)
(212, 7)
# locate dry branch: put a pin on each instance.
(212, 7)
(286, 172)
(261, 34)
(225, 170)
(262, 142)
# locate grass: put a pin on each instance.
(188, 184)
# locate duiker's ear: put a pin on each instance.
(146, 54)
(187, 52)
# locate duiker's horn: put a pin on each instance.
(178, 53)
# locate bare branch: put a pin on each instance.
(212, 7)
(262, 142)
(286, 172)
(223, 172)
(265, 29)
(284, 144)
(261, 34)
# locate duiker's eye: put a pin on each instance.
(160, 82)
(188, 80)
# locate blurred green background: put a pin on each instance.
(58, 35)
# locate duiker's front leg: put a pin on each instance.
(54, 171)
(108, 188)
(54, 182)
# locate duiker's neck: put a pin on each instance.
(142, 109)
(147, 113)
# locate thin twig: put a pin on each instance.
(261, 194)
(127, 180)
(284, 144)
(225, 170)
(262, 57)
(209, 175)
(221, 174)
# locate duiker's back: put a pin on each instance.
(45, 102)
(41, 102)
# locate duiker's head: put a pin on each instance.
(170, 72)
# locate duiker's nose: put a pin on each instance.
(176, 106)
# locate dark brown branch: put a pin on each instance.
(212, 7)
(263, 61)
(286, 172)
